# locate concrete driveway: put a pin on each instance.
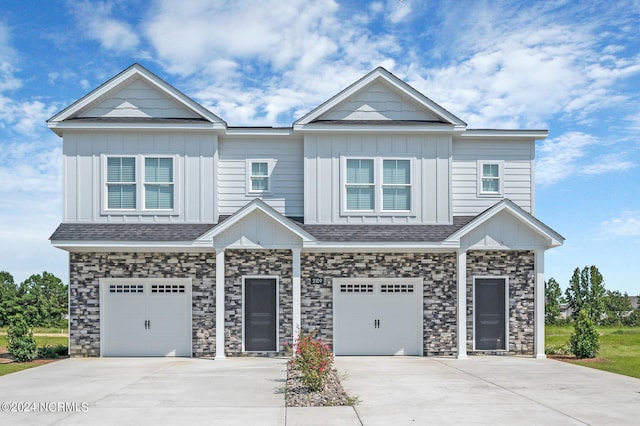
(248, 391)
(492, 390)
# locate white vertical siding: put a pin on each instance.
(286, 192)
(194, 173)
(430, 176)
(516, 157)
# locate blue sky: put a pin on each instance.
(572, 67)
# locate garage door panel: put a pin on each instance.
(378, 316)
(154, 320)
(126, 327)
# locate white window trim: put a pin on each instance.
(506, 309)
(140, 189)
(277, 284)
(378, 170)
(248, 168)
(500, 192)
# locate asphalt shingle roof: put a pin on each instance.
(130, 231)
(190, 232)
(386, 233)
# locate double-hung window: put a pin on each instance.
(140, 184)
(158, 183)
(259, 176)
(396, 185)
(489, 178)
(121, 183)
(377, 185)
(360, 184)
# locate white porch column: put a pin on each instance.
(538, 298)
(462, 304)
(219, 304)
(296, 292)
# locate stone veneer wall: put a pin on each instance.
(86, 269)
(519, 266)
(437, 269)
(239, 263)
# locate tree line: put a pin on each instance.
(586, 292)
(41, 300)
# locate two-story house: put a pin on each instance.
(377, 221)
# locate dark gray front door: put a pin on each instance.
(260, 314)
(490, 313)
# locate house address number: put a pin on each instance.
(317, 280)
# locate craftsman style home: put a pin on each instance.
(378, 221)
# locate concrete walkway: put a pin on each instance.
(249, 391)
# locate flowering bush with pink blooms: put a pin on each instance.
(313, 359)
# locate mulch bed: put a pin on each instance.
(299, 395)
(572, 358)
(6, 358)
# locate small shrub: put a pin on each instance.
(557, 350)
(585, 341)
(50, 352)
(20, 342)
(633, 320)
(313, 359)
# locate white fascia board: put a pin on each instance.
(259, 131)
(60, 127)
(364, 128)
(138, 246)
(510, 134)
(380, 247)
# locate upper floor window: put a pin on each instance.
(377, 185)
(121, 183)
(490, 178)
(140, 184)
(396, 185)
(158, 183)
(360, 185)
(259, 176)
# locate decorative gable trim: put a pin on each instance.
(134, 72)
(381, 74)
(552, 237)
(256, 205)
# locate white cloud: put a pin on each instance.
(24, 117)
(98, 23)
(398, 10)
(626, 225)
(264, 63)
(527, 76)
(572, 154)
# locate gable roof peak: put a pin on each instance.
(396, 86)
(133, 73)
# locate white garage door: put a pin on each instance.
(377, 316)
(145, 317)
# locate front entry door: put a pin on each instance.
(260, 316)
(490, 312)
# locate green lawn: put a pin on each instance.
(15, 366)
(42, 330)
(619, 346)
(41, 341)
